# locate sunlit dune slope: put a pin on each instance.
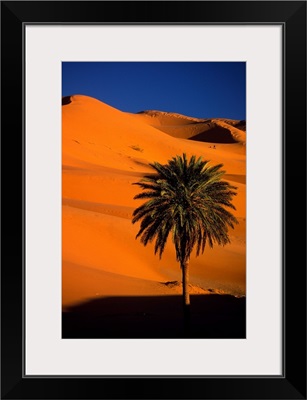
(104, 151)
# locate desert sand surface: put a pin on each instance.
(105, 151)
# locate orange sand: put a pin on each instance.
(104, 151)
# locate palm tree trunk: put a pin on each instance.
(186, 297)
(185, 283)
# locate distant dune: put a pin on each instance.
(104, 151)
(215, 130)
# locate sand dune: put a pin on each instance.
(104, 151)
(216, 130)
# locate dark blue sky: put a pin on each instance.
(196, 89)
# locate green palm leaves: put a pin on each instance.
(187, 199)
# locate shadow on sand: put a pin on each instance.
(66, 100)
(140, 317)
(217, 134)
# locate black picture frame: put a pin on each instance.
(292, 16)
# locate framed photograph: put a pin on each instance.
(153, 192)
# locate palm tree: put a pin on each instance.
(186, 198)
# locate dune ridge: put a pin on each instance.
(215, 130)
(105, 151)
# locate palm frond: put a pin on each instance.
(189, 199)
